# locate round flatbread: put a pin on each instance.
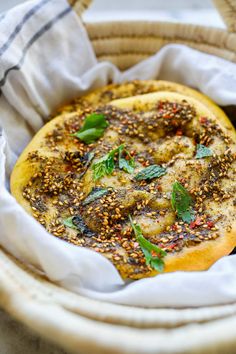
(148, 181)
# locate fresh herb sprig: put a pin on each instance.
(126, 162)
(203, 151)
(106, 164)
(153, 254)
(92, 129)
(150, 172)
(182, 202)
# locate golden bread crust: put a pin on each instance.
(199, 256)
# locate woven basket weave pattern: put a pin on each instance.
(88, 326)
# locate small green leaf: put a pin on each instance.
(76, 222)
(92, 129)
(182, 202)
(95, 193)
(106, 164)
(126, 163)
(148, 248)
(69, 223)
(95, 120)
(153, 171)
(90, 135)
(203, 151)
(99, 170)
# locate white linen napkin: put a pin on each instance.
(46, 59)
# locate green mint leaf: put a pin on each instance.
(76, 222)
(69, 223)
(99, 170)
(95, 120)
(126, 163)
(95, 193)
(90, 135)
(203, 151)
(106, 164)
(92, 129)
(182, 202)
(157, 264)
(187, 216)
(153, 254)
(136, 228)
(153, 171)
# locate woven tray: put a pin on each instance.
(84, 325)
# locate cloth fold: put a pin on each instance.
(46, 59)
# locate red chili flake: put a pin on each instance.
(68, 168)
(74, 127)
(179, 132)
(183, 180)
(195, 223)
(175, 108)
(153, 253)
(192, 225)
(172, 246)
(160, 105)
(159, 188)
(167, 116)
(203, 120)
(198, 221)
(210, 224)
(174, 227)
(132, 152)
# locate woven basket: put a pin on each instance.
(84, 325)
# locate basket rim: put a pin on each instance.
(101, 337)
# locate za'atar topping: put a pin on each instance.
(145, 181)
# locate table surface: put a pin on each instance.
(17, 339)
(14, 337)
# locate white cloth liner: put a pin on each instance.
(61, 65)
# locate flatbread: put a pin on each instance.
(54, 178)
